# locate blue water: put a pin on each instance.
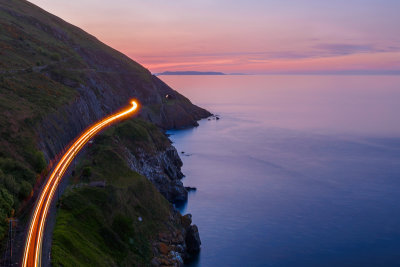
(299, 171)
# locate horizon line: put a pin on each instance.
(344, 72)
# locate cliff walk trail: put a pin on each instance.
(33, 246)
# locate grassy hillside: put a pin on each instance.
(55, 80)
(27, 95)
(114, 225)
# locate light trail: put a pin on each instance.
(33, 244)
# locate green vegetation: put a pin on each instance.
(38, 161)
(87, 172)
(16, 182)
(110, 226)
(40, 42)
(46, 65)
(26, 97)
(6, 204)
(39, 70)
(138, 133)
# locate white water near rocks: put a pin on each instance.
(299, 170)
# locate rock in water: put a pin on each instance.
(193, 241)
(186, 220)
(189, 189)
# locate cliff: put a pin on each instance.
(112, 215)
(55, 80)
(88, 78)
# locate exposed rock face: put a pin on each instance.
(45, 59)
(89, 106)
(99, 79)
(94, 79)
(163, 169)
(175, 247)
(193, 239)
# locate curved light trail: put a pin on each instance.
(33, 244)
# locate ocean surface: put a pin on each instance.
(299, 170)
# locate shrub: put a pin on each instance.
(123, 226)
(9, 183)
(17, 170)
(3, 224)
(6, 204)
(38, 161)
(25, 190)
(55, 57)
(87, 172)
(6, 201)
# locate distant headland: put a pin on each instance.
(190, 73)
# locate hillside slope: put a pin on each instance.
(111, 215)
(55, 80)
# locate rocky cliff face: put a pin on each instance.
(163, 169)
(92, 79)
(56, 80)
(87, 107)
(114, 202)
(177, 245)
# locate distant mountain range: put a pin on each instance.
(190, 73)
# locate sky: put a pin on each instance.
(245, 36)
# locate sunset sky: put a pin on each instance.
(245, 36)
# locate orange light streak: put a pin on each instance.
(33, 245)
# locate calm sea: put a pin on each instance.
(299, 170)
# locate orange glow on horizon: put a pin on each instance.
(33, 245)
(362, 61)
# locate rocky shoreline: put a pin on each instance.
(65, 80)
(163, 169)
(176, 247)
